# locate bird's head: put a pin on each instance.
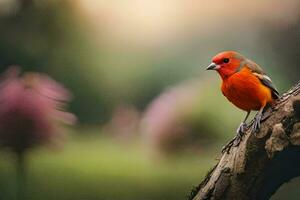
(227, 63)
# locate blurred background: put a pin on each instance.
(150, 120)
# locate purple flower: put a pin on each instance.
(164, 122)
(31, 106)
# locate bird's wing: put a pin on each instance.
(259, 73)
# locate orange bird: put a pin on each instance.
(245, 85)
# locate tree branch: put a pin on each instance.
(262, 162)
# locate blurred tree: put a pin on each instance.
(44, 36)
(31, 107)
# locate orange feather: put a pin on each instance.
(246, 91)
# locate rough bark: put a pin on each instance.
(263, 162)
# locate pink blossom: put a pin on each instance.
(30, 107)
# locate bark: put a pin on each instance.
(263, 162)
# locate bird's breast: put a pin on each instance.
(245, 91)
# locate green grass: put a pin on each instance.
(96, 167)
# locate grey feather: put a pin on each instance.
(267, 82)
(264, 79)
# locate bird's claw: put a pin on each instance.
(228, 146)
(256, 123)
(242, 128)
(237, 139)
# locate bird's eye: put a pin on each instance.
(226, 60)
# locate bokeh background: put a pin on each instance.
(150, 120)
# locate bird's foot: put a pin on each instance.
(256, 123)
(242, 128)
(240, 132)
(237, 138)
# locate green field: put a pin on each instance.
(94, 167)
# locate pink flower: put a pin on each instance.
(163, 123)
(30, 107)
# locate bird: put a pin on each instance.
(245, 85)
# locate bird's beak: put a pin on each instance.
(212, 66)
